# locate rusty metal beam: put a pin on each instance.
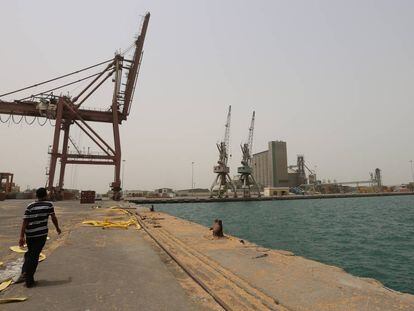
(91, 83)
(64, 156)
(88, 156)
(91, 137)
(95, 88)
(90, 162)
(133, 71)
(79, 117)
(21, 108)
(56, 137)
(116, 185)
(29, 108)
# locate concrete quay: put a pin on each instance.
(90, 268)
(174, 264)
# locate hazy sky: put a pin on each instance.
(331, 78)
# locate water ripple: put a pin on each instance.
(369, 237)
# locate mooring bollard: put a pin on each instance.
(217, 228)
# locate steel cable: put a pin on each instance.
(38, 121)
(128, 49)
(59, 87)
(57, 78)
(15, 121)
(29, 123)
(6, 120)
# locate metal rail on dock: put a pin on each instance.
(227, 289)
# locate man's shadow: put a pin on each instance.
(41, 283)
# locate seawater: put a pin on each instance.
(368, 237)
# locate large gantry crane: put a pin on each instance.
(67, 111)
(246, 172)
(223, 182)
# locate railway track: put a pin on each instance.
(229, 290)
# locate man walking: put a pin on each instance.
(35, 228)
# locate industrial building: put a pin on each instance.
(270, 167)
(164, 193)
(272, 173)
(296, 173)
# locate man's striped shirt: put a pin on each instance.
(37, 214)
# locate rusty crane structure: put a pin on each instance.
(68, 111)
(246, 172)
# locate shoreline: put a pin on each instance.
(281, 198)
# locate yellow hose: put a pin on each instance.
(114, 224)
(5, 284)
(13, 299)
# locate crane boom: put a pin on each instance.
(226, 139)
(223, 181)
(133, 70)
(251, 130)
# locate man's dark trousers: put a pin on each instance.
(31, 257)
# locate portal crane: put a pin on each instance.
(246, 177)
(66, 111)
(223, 182)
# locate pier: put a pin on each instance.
(176, 263)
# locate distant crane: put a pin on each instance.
(223, 182)
(246, 177)
(67, 111)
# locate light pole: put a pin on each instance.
(123, 171)
(412, 171)
(192, 178)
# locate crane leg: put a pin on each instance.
(233, 188)
(256, 186)
(55, 147)
(116, 185)
(221, 186)
(212, 186)
(224, 183)
(64, 156)
(246, 189)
